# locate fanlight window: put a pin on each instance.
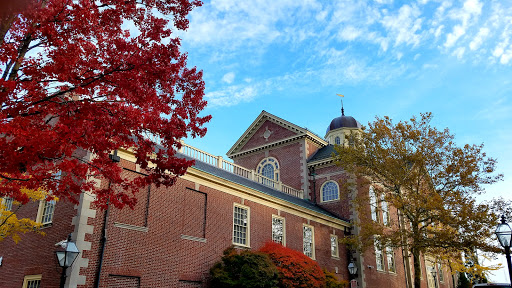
(330, 191)
(269, 167)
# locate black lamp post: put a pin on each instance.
(66, 256)
(504, 235)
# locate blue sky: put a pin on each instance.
(394, 58)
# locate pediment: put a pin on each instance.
(266, 129)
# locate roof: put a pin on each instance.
(323, 153)
(343, 122)
(216, 171)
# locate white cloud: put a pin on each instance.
(228, 77)
(349, 33)
(404, 26)
(469, 11)
(231, 96)
(479, 38)
(459, 52)
(458, 31)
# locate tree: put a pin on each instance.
(10, 225)
(244, 269)
(80, 79)
(295, 269)
(432, 183)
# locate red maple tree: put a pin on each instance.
(295, 269)
(82, 77)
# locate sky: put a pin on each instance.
(389, 58)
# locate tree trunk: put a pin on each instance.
(417, 268)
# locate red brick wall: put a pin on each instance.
(340, 207)
(312, 148)
(278, 133)
(35, 253)
(163, 259)
(289, 158)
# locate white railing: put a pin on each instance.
(238, 170)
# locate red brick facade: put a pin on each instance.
(173, 236)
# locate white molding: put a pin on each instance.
(193, 238)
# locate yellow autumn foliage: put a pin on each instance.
(11, 225)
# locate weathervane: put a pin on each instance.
(342, 111)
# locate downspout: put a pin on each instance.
(103, 240)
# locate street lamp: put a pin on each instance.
(352, 269)
(504, 234)
(433, 271)
(66, 256)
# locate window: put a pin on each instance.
(308, 241)
(269, 167)
(278, 234)
(379, 257)
(45, 212)
(374, 205)
(337, 140)
(334, 246)
(440, 272)
(385, 210)
(241, 225)
(390, 254)
(7, 202)
(32, 281)
(330, 191)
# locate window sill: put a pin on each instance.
(46, 225)
(130, 227)
(240, 246)
(193, 238)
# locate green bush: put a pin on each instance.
(331, 281)
(244, 269)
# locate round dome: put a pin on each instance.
(343, 122)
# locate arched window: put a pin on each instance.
(269, 167)
(337, 140)
(330, 191)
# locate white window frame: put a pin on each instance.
(322, 191)
(385, 210)
(374, 204)
(274, 236)
(272, 161)
(337, 140)
(379, 255)
(30, 278)
(312, 243)
(247, 226)
(335, 251)
(7, 203)
(440, 272)
(43, 216)
(390, 259)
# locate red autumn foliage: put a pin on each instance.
(295, 269)
(75, 80)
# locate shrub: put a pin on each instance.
(331, 281)
(295, 269)
(244, 269)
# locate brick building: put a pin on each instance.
(282, 185)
